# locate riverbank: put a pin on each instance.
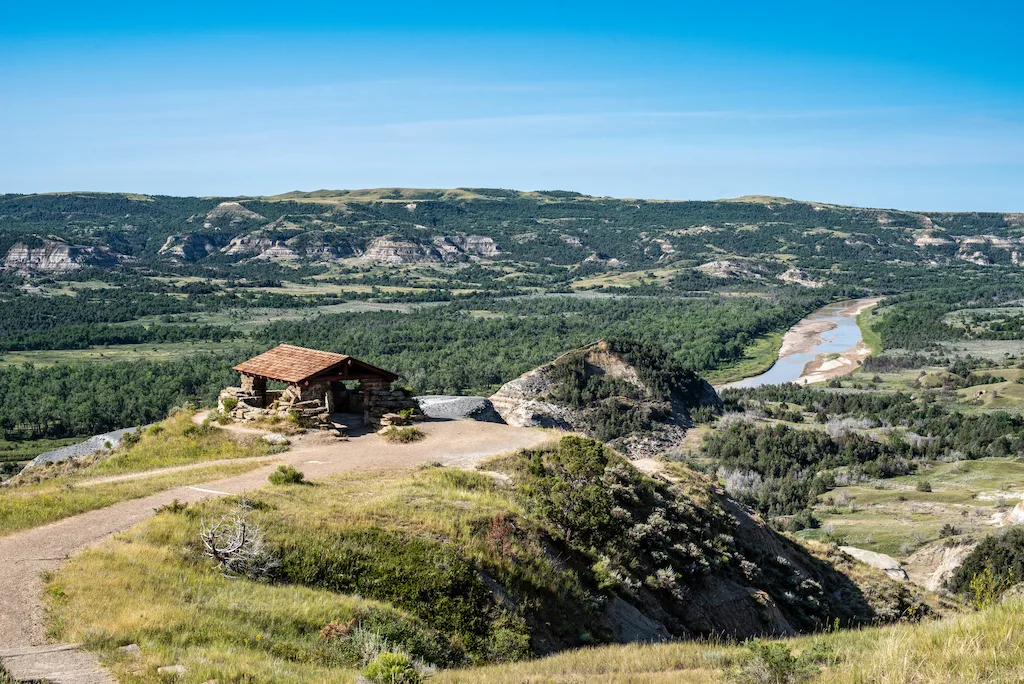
(827, 343)
(828, 366)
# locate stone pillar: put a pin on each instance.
(256, 387)
(370, 387)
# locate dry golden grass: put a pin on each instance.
(678, 662)
(23, 508)
(47, 494)
(978, 647)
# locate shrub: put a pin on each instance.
(230, 403)
(130, 439)
(172, 508)
(392, 668)
(403, 435)
(775, 664)
(286, 474)
(923, 486)
(422, 576)
(193, 430)
(986, 588)
(948, 530)
(801, 521)
(407, 413)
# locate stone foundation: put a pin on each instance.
(314, 403)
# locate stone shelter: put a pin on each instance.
(317, 385)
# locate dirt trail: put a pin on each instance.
(23, 648)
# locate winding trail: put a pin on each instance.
(24, 650)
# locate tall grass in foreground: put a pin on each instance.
(984, 646)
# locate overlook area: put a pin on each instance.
(558, 431)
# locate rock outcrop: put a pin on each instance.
(798, 277)
(441, 248)
(544, 398)
(726, 268)
(188, 246)
(230, 213)
(55, 256)
(395, 251)
(933, 565)
(887, 564)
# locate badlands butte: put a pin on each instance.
(489, 435)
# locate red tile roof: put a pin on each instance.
(286, 363)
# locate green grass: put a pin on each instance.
(895, 518)
(27, 449)
(29, 506)
(126, 352)
(152, 586)
(865, 321)
(179, 441)
(760, 356)
(403, 435)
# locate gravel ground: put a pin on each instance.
(443, 407)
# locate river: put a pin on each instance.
(825, 345)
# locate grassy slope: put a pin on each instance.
(142, 588)
(897, 519)
(27, 449)
(976, 647)
(44, 495)
(401, 539)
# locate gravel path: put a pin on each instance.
(23, 648)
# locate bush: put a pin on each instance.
(172, 508)
(286, 474)
(801, 521)
(774, 664)
(948, 530)
(130, 439)
(392, 668)
(403, 435)
(230, 403)
(923, 486)
(994, 565)
(238, 545)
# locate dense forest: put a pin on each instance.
(781, 470)
(441, 350)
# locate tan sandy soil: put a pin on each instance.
(23, 648)
(823, 369)
(803, 337)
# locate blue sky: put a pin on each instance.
(907, 105)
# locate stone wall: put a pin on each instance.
(313, 402)
(382, 402)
